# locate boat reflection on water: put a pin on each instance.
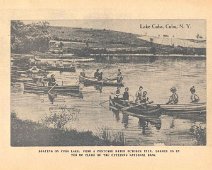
(116, 114)
(144, 124)
(125, 117)
(125, 120)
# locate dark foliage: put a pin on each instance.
(30, 37)
(28, 133)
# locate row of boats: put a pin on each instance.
(130, 108)
(156, 110)
(117, 104)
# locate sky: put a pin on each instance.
(172, 28)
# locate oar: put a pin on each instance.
(103, 102)
(125, 108)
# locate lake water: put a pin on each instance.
(94, 114)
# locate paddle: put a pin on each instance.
(126, 108)
(52, 88)
(103, 102)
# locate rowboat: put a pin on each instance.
(133, 109)
(92, 81)
(191, 108)
(61, 69)
(34, 88)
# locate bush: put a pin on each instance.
(199, 133)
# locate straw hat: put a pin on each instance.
(173, 89)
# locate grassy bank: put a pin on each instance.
(28, 133)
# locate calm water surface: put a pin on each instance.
(156, 78)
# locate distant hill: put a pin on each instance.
(40, 37)
(109, 41)
(98, 38)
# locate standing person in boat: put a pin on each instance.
(52, 80)
(194, 97)
(139, 95)
(119, 76)
(96, 74)
(173, 99)
(126, 94)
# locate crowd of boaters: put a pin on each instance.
(99, 76)
(141, 96)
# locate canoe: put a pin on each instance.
(133, 109)
(61, 69)
(190, 108)
(32, 87)
(92, 81)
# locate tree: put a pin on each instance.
(30, 37)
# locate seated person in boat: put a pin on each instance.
(96, 74)
(52, 80)
(82, 73)
(139, 95)
(194, 97)
(145, 99)
(118, 93)
(173, 99)
(119, 76)
(44, 81)
(126, 94)
(100, 76)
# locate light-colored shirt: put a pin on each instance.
(194, 98)
(173, 99)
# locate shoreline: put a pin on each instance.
(28, 133)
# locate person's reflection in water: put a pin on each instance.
(52, 97)
(143, 124)
(99, 88)
(172, 124)
(125, 120)
(156, 122)
(116, 113)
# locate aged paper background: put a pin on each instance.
(198, 157)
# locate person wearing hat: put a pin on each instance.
(173, 99)
(139, 95)
(96, 74)
(52, 80)
(194, 97)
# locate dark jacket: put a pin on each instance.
(126, 96)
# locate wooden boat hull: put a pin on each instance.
(140, 111)
(31, 87)
(92, 81)
(196, 108)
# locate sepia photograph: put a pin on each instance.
(108, 82)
